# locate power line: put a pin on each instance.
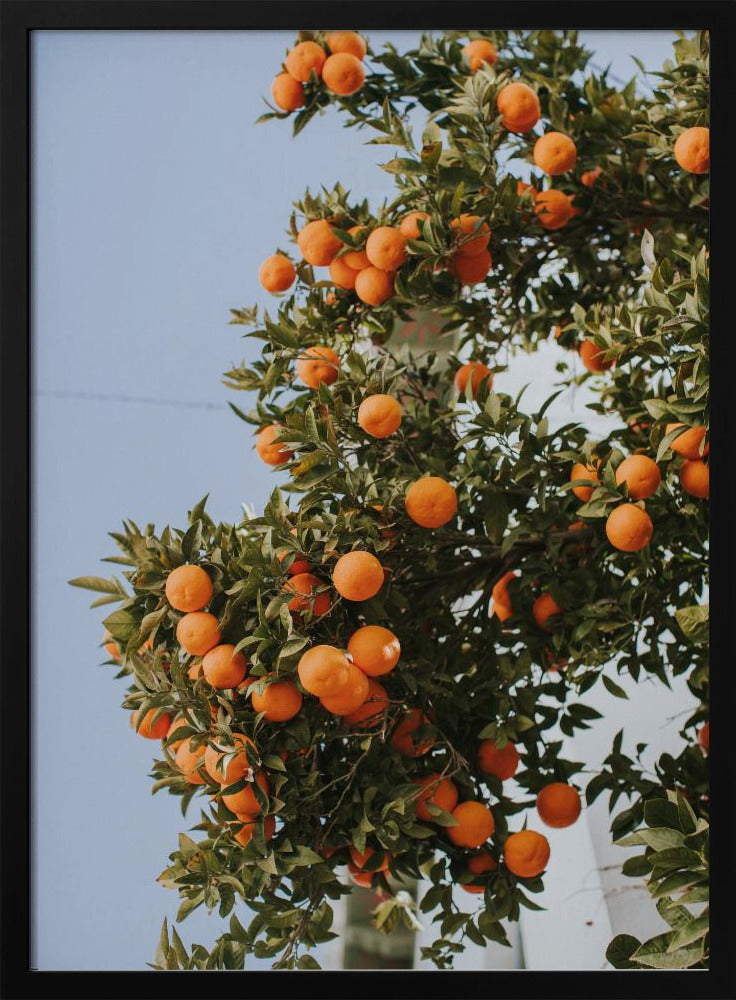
(119, 398)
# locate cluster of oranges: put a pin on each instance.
(341, 71)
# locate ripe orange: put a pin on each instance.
(298, 563)
(277, 273)
(342, 275)
(198, 632)
(347, 41)
(543, 608)
(526, 853)
(152, 730)
(580, 471)
(111, 647)
(349, 698)
(555, 153)
(386, 248)
(475, 824)
(465, 226)
(558, 804)
(287, 93)
(592, 357)
(363, 879)
(688, 443)
(343, 74)
(370, 713)
(318, 244)
(318, 365)
(245, 833)
(360, 858)
(519, 107)
(474, 372)
(482, 862)
(324, 671)
(281, 701)
(591, 176)
(305, 585)
(268, 451)
(244, 803)
(178, 723)
(227, 763)
(409, 225)
(373, 286)
(437, 791)
(403, 735)
(188, 588)
(553, 208)
(305, 58)
(629, 528)
(501, 763)
(500, 599)
(692, 150)
(356, 259)
(189, 762)
(431, 502)
(374, 649)
(641, 475)
(470, 270)
(695, 478)
(223, 667)
(379, 415)
(704, 737)
(480, 51)
(357, 576)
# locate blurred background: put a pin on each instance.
(155, 198)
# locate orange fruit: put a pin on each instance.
(189, 761)
(580, 471)
(519, 107)
(373, 286)
(244, 803)
(268, 451)
(298, 564)
(692, 150)
(543, 608)
(403, 735)
(379, 415)
(342, 275)
(500, 599)
(501, 763)
(704, 737)
(386, 248)
(111, 647)
(558, 804)
(349, 698)
(347, 41)
(483, 862)
(553, 208)
(357, 576)
(152, 730)
(475, 824)
(688, 443)
(277, 273)
(374, 649)
(343, 74)
(324, 671)
(195, 671)
(370, 713)
(409, 225)
(467, 225)
(592, 357)
(480, 51)
(281, 701)
(431, 502)
(360, 858)
(245, 833)
(188, 588)
(223, 667)
(474, 372)
(305, 585)
(437, 791)
(695, 478)
(198, 632)
(589, 177)
(179, 723)
(305, 58)
(356, 259)
(555, 153)
(470, 270)
(526, 853)
(318, 244)
(287, 93)
(227, 763)
(363, 879)
(318, 365)
(629, 528)
(641, 475)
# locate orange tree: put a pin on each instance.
(348, 682)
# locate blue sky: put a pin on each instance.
(156, 197)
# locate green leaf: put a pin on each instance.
(620, 950)
(694, 622)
